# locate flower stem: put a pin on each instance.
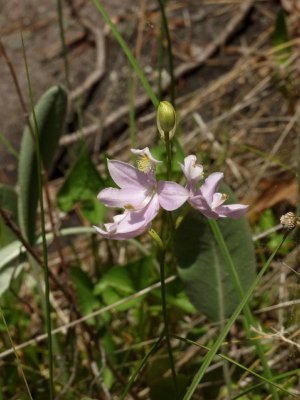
(165, 317)
(169, 154)
(40, 171)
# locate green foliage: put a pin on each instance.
(8, 201)
(202, 267)
(123, 281)
(82, 185)
(268, 221)
(163, 388)
(50, 113)
(84, 290)
(281, 36)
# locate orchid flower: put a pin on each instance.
(206, 199)
(140, 195)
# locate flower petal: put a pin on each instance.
(119, 235)
(202, 205)
(125, 198)
(232, 210)
(192, 171)
(210, 186)
(126, 176)
(125, 226)
(145, 153)
(171, 195)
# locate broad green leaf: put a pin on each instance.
(8, 201)
(50, 114)
(84, 289)
(82, 185)
(202, 267)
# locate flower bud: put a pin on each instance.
(166, 119)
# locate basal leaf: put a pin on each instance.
(202, 267)
(50, 114)
(82, 185)
(8, 201)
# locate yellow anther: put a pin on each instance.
(144, 163)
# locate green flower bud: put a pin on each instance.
(166, 119)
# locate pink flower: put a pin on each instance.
(140, 195)
(205, 198)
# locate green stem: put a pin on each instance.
(44, 240)
(169, 155)
(213, 351)
(165, 317)
(63, 41)
(131, 96)
(160, 63)
(169, 49)
(250, 320)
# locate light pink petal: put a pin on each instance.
(125, 226)
(125, 198)
(218, 199)
(119, 235)
(200, 204)
(126, 176)
(192, 171)
(210, 186)
(171, 195)
(232, 210)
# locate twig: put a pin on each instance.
(98, 73)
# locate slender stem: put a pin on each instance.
(160, 59)
(44, 241)
(131, 98)
(169, 154)
(169, 49)
(63, 42)
(165, 317)
(250, 320)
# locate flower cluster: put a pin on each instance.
(141, 196)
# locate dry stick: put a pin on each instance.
(181, 70)
(98, 73)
